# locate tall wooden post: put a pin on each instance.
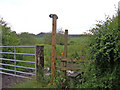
(53, 61)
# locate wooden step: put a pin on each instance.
(65, 60)
(68, 68)
(74, 75)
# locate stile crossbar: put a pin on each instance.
(34, 73)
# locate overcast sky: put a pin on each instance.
(75, 15)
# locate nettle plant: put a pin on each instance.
(105, 47)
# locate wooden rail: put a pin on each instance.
(69, 68)
(69, 60)
(64, 68)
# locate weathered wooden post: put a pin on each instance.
(39, 60)
(65, 50)
(65, 44)
(64, 59)
(53, 61)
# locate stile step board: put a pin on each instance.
(67, 68)
(74, 75)
(72, 60)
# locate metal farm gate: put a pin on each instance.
(37, 57)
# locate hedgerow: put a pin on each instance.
(105, 51)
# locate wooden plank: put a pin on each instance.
(63, 60)
(67, 68)
(82, 60)
(74, 75)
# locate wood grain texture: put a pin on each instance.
(53, 61)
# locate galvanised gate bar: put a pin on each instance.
(37, 56)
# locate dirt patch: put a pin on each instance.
(8, 81)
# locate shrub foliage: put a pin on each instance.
(105, 51)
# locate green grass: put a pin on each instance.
(29, 84)
(76, 45)
(39, 40)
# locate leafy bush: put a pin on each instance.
(105, 51)
(91, 80)
(105, 47)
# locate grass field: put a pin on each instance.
(77, 47)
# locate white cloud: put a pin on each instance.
(75, 15)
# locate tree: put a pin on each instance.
(59, 37)
(9, 38)
(105, 46)
(26, 38)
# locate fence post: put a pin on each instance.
(39, 60)
(65, 44)
(53, 61)
(64, 62)
(65, 51)
(15, 60)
